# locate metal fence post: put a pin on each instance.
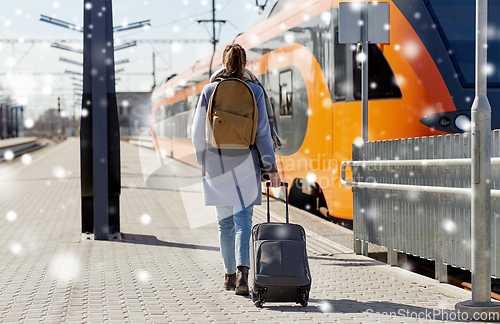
(480, 180)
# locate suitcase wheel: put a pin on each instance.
(304, 297)
(258, 300)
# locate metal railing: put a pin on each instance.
(412, 163)
(413, 196)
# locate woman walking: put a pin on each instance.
(232, 182)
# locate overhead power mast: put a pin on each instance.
(214, 38)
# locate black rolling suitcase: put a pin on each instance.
(280, 271)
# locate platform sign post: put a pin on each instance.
(364, 23)
(100, 141)
(480, 183)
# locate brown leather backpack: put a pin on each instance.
(232, 117)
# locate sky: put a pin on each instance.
(33, 75)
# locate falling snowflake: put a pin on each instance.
(10, 62)
(361, 57)
(16, 248)
(413, 195)
(59, 172)
(47, 91)
(325, 306)
(26, 159)
(326, 17)
(176, 47)
(489, 69)
(8, 155)
(358, 141)
(311, 178)
(11, 216)
(411, 49)
(142, 275)
(449, 225)
(289, 38)
(145, 219)
(65, 267)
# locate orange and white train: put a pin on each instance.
(421, 84)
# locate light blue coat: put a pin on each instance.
(232, 181)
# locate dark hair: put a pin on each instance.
(234, 58)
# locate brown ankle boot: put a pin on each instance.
(229, 281)
(242, 280)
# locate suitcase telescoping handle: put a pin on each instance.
(283, 184)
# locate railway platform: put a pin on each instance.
(166, 267)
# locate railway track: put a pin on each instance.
(12, 147)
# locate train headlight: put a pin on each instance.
(463, 123)
(444, 121)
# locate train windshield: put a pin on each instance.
(456, 22)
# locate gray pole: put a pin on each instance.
(154, 70)
(480, 179)
(213, 25)
(100, 120)
(481, 167)
(1, 121)
(214, 42)
(364, 69)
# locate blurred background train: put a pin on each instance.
(421, 84)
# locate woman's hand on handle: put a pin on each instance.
(275, 180)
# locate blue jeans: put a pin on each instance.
(235, 226)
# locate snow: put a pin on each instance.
(65, 267)
(8, 155)
(11, 216)
(145, 219)
(26, 159)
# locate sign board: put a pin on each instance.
(351, 22)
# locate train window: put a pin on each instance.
(456, 21)
(340, 68)
(381, 80)
(286, 94)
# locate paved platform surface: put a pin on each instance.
(167, 268)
